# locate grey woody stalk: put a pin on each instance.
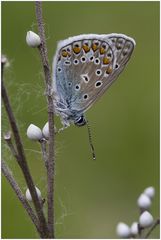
(7, 173)
(21, 159)
(51, 152)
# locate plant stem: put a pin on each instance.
(140, 231)
(51, 152)
(7, 173)
(44, 153)
(157, 222)
(22, 159)
(7, 138)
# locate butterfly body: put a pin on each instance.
(84, 67)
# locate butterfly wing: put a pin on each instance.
(86, 65)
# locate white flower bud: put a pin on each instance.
(150, 192)
(7, 136)
(134, 228)
(28, 195)
(123, 230)
(4, 61)
(146, 219)
(34, 133)
(45, 130)
(144, 201)
(32, 39)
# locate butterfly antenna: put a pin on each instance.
(90, 141)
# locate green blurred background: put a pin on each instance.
(91, 197)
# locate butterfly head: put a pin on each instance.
(81, 121)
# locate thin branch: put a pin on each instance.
(44, 152)
(157, 222)
(7, 138)
(7, 173)
(51, 154)
(22, 159)
(140, 231)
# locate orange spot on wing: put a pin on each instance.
(86, 48)
(106, 60)
(109, 70)
(102, 50)
(64, 53)
(76, 50)
(94, 47)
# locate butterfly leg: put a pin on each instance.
(61, 129)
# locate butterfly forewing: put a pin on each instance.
(86, 67)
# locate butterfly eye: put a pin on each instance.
(80, 121)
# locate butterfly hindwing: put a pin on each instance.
(87, 65)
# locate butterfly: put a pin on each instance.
(84, 67)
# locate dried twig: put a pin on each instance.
(7, 173)
(157, 222)
(7, 138)
(44, 152)
(51, 154)
(139, 231)
(21, 159)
